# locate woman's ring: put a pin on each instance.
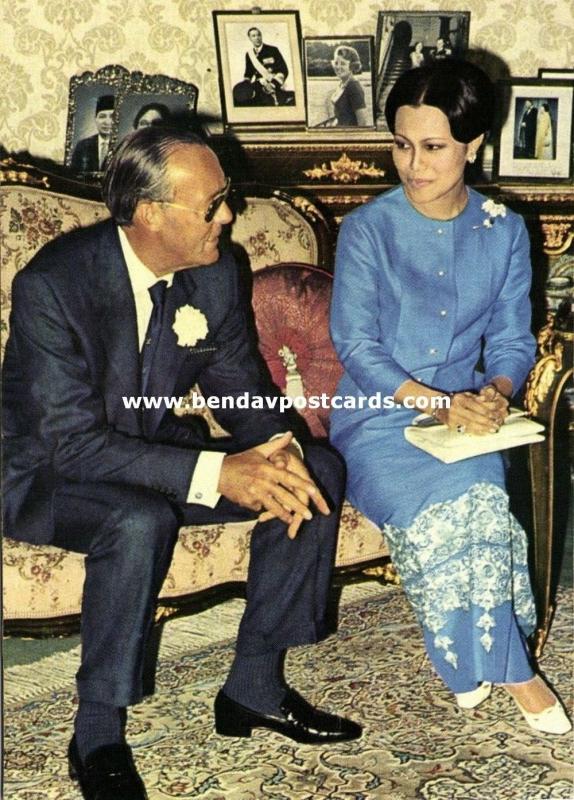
(460, 428)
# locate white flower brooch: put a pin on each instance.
(190, 325)
(493, 210)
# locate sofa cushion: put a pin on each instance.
(291, 306)
(29, 218)
(272, 230)
(45, 583)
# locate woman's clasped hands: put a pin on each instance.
(476, 413)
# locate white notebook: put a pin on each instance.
(449, 446)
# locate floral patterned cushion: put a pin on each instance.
(45, 582)
(29, 218)
(273, 232)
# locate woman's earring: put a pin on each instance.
(471, 157)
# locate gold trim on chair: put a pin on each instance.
(386, 573)
(543, 373)
(306, 207)
(544, 388)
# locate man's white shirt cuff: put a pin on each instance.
(205, 479)
(293, 441)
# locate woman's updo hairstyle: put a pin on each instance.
(462, 91)
(350, 55)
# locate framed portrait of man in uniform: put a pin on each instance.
(260, 68)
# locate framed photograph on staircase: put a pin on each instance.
(407, 39)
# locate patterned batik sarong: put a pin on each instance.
(463, 565)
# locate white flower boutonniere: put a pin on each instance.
(493, 210)
(189, 325)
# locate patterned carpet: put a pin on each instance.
(417, 743)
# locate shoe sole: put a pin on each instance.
(242, 729)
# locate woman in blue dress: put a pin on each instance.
(430, 279)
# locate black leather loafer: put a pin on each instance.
(302, 722)
(108, 773)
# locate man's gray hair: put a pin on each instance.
(138, 169)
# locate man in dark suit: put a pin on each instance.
(527, 134)
(145, 304)
(265, 74)
(442, 51)
(89, 154)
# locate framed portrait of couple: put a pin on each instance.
(104, 106)
(535, 140)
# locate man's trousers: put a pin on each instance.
(128, 534)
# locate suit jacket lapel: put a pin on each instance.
(118, 327)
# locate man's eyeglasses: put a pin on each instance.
(212, 208)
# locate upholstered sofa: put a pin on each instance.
(287, 244)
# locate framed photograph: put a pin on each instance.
(92, 117)
(556, 74)
(260, 73)
(407, 39)
(535, 142)
(153, 100)
(339, 82)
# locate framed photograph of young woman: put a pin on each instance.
(407, 39)
(92, 104)
(535, 141)
(339, 82)
(154, 100)
(260, 73)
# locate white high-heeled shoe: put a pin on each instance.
(551, 720)
(474, 698)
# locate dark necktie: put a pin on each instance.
(157, 294)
